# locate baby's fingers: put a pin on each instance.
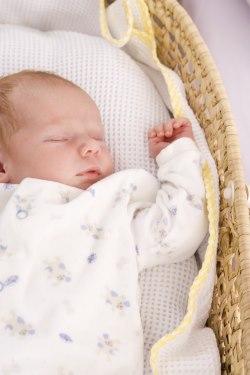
(164, 129)
(181, 122)
(159, 130)
(168, 128)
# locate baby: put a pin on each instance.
(74, 235)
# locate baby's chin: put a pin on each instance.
(86, 181)
(85, 184)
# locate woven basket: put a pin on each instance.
(181, 48)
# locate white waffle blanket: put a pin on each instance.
(129, 104)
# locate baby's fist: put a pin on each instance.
(163, 134)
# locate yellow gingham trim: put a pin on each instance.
(147, 37)
(204, 271)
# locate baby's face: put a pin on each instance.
(61, 138)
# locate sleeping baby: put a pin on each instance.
(74, 235)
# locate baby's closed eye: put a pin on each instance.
(57, 138)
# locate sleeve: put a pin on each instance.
(171, 229)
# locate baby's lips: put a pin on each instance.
(88, 170)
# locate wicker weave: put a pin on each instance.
(181, 47)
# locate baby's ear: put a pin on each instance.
(4, 177)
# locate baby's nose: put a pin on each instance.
(90, 148)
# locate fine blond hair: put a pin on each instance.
(8, 84)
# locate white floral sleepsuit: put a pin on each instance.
(69, 263)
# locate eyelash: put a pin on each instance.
(57, 140)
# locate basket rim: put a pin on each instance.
(185, 28)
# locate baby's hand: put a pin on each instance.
(163, 134)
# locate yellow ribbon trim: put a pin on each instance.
(147, 37)
(104, 26)
(204, 271)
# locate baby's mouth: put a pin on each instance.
(92, 172)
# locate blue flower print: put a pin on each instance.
(66, 338)
(161, 230)
(3, 248)
(57, 271)
(1, 286)
(11, 280)
(195, 201)
(65, 196)
(173, 210)
(137, 250)
(92, 258)
(16, 325)
(118, 302)
(165, 220)
(23, 206)
(125, 193)
(7, 186)
(93, 230)
(107, 346)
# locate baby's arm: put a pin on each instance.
(172, 228)
(163, 134)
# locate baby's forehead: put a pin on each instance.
(57, 90)
(27, 85)
(39, 99)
